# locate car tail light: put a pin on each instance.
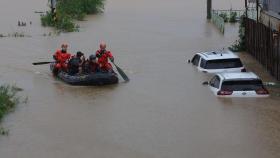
(243, 70)
(262, 91)
(224, 92)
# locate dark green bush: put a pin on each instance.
(232, 17)
(69, 10)
(47, 20)
(240, 44)
(8, 99)
(224, 16)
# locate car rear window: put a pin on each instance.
(223, 64)
(246, 85)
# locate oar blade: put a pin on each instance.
(124, 76)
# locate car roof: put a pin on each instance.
(238, 75)
(213, 55)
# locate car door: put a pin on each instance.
(214, 84)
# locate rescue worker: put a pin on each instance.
(76, 63)
(103, 55)
(61, 58)
(91, 65)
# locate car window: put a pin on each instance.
(211, 83)
(203, 63)
(244, 85)
(215, 82)
(223, 64)
(195, 60)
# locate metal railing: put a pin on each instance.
(239, 13)
(219, 17)
(252, 14)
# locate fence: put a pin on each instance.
(264, 45)
(220, 16)
(252, 13)
(239, 13)
(218, 21)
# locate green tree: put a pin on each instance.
(67, 11)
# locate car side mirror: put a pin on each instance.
(205, 83)
(189, 61)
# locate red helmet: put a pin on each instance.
(102, 45)
(64, 45)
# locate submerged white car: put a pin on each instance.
(237, 84)
(216, 62)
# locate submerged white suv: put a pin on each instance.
(237, 84)
(216, 62)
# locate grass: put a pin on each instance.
(67, 11)
(8, 101)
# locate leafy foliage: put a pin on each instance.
(232, 17)
(69, 10)
(224, 16)
(8, 101)
(240, 44)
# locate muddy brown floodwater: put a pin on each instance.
(164, 112)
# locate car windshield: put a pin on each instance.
(245, 85)
(223, 64)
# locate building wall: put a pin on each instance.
(270, 21)
(275, 6)
(272, 5)
(270, 15)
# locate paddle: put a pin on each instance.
(124, 76)
(42, 63)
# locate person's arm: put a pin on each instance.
(55, 56)
(98, 54)
(83, 59)
(110, 56)
(69, 57)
